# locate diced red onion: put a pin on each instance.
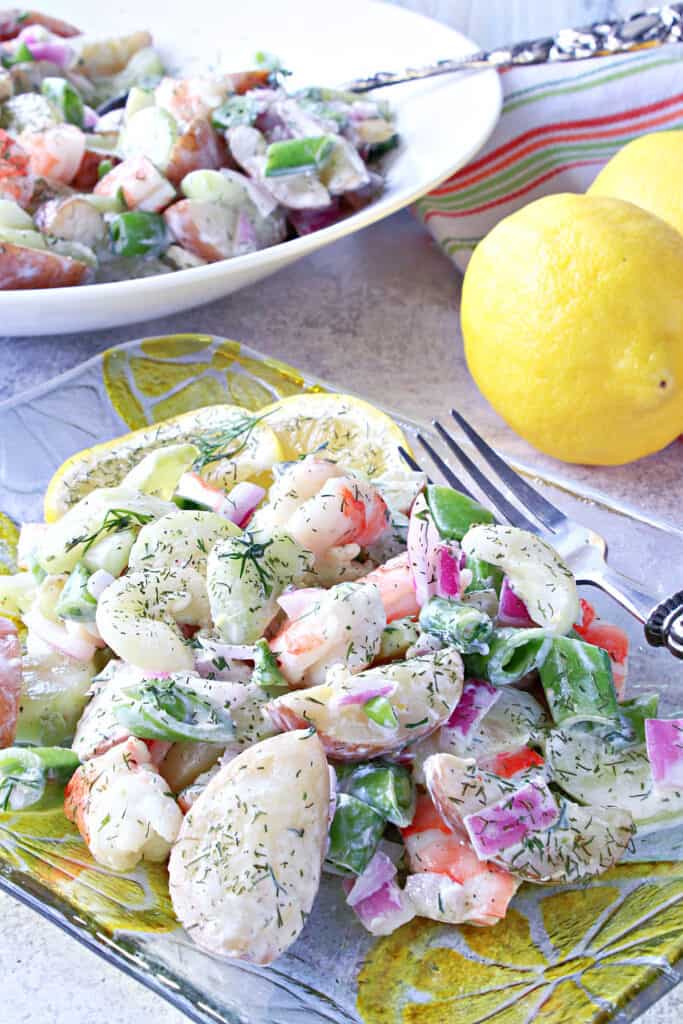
(511, 610)
(362, 696)
(379, 870)
(305, 222)
(44, 46)
(448, 570)
(435, 563)
(477, 698)
(90, 118)
(242, 500)
(98, 583)
(262, 199)
(245, 235)
(73, 645)
(233, 652)
(664, 739)
(532, 808)
(386, 910)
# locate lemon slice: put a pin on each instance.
(251, 448)
(355, 432)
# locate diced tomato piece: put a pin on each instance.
(587, 616)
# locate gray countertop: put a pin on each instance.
(378, 314)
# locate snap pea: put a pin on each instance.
(453, 513)
(22, 55)
(234, 111)
(380, 711)
(26, 771)
(104, 167)
(484, 576)
(354, 835)
(138, 233)
(165, 709)
(66, 98)
(266, 670)
(75, 601)
(513, 654)
(462, 626)
(386, 787)
(578, 684)
(294, 156)
(637, 710)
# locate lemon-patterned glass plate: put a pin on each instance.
(576, 954)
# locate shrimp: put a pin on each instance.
(189, 98)
(138, 617)
(437, 852)
(394, 581)
(179, 539)
(340, 626)
(10, 681)
(122, 808)
(322, 507)
(55, 153)
(142, 185)
(98, 727)
(16, 179)
(244, 579)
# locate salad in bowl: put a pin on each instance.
(260, 647)
(112, 168)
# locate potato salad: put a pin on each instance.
(260, 648)
(112, 166)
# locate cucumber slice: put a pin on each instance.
(22, 779)
(151, 132)
(294, 156)
(66, 98)
(212, 187)
(55, 691)
(75, 601)
(25, 238)
(110, 553)
(12, 216)
(138, 99)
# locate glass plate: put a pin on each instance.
(603, 951)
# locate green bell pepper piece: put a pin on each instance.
(267, 671)
(138, 233)
(234, 111)
(462, 626)
(66, 98)
(453, 513)
(164, 709)
(578, 684)
(294, 156)
(26, 771)
(386, 787)
(354, 835)
(513, 654)
(75, 601)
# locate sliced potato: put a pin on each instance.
(537, 573)
(421, 691)
(200, 147)
(246, 867)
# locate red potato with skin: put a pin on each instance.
(72, 218)
(13, 21)
(10, 681)
(198, 148)
(422, 692)
(23, 268)
(204, 229)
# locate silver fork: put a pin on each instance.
(582, 549)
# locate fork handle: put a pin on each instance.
(662, 619)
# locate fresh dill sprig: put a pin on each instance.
(214, 446)
(252, 552)
(115, 521)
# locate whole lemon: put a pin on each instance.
(647, 172)
(572, 315)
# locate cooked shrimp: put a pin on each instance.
(188, 98)
(394, 581)
(322, 507)
(434, 848)
(16, 179)
(56, 152)
(122, 807)
(98, 728)
(142, 185)
(340, 626)
(10, 681)
(139, 614)
(245, 577)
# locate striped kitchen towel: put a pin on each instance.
(559, 124)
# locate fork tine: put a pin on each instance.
(445, 469)
(506, 509)
(524, 492)
(407, 457)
